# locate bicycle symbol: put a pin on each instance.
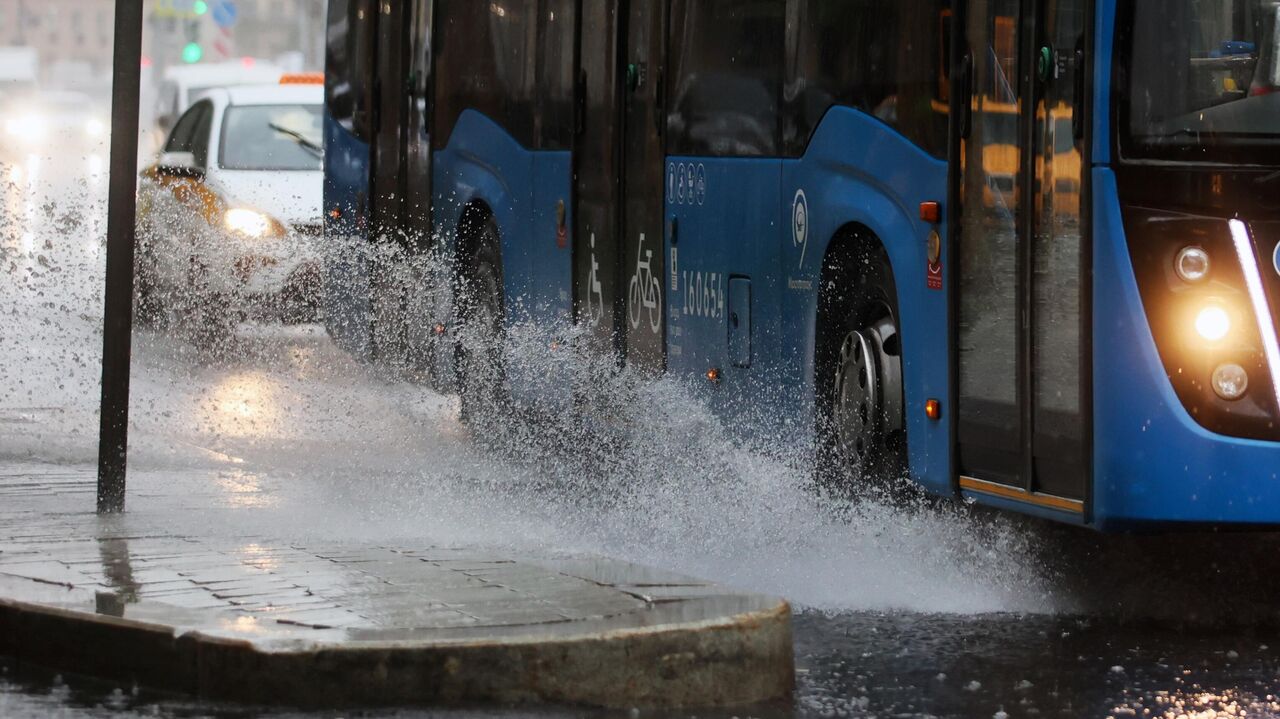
(645, 290)
(595, 310)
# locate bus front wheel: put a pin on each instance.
(861, 428)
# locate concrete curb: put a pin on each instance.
(744, 657)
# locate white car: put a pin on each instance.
(229, 216)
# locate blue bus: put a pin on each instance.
(1024, 252)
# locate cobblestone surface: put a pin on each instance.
(124, 560)
(282, 595)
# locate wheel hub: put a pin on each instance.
(858, 411)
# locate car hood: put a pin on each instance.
(294, 198)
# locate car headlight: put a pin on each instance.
(26, 127)
(251, 223)
(95, 127)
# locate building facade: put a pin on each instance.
(74, 37)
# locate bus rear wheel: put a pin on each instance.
(480, 333)
(862, 447)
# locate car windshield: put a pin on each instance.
(272, 137)
(1204, 81)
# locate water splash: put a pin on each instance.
(303, 441)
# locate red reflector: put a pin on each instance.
(931, 212)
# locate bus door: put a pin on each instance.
(642, 183)
(1022, 313)
(427, 293)
(386, 203)
(405, 301)
(618, 158)
(597, 191)
(349, 55)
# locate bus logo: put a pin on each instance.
(800, 223)
(687, 183)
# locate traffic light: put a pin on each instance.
(199, 7)
(192, 52)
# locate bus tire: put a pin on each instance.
(860, 419)
(480, 332)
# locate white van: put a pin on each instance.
(183, 85)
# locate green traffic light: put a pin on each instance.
(192, 52)
(199, 7)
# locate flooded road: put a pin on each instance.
(930, 609)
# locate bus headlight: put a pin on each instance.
(1192, 264)
(1230, 381)
(1213, 323)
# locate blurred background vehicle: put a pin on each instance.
(184, 84)
(19, 69)
(230, 213)
(32, 121)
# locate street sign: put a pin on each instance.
(179, 9)
(224, 13)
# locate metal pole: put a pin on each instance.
(117, 322)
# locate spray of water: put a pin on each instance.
(311, 443)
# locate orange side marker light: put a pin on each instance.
(713, 375)
(931, 212)
(933, 409)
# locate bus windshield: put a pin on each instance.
(1204, 81)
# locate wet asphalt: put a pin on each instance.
(864, 664)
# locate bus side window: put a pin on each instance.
(349, 64)
(485, 57)
(726, 77)
(888, 68)
(553, 119)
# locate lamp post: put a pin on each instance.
(117, 323)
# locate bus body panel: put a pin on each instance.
(723, 302)
(1153, 462)
(548, 301)
(551, 252)
(346, 255)
(858, 170)
(483, 163)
